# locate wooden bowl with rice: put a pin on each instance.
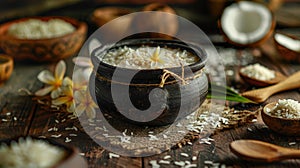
(39, 152)
(285, 123)
(42, 39)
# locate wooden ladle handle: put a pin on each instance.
(292, 82)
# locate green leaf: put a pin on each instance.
(231, 95)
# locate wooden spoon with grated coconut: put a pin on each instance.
(260, 95)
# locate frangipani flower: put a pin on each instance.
(86, 63)
(155, 58)
(53, 80)
(67, 97)
(85, 103)
(80, 80)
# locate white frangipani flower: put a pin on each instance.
(66, 97)
(53, 81)
(85, 104)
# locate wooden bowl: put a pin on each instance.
(43, 50)
(100, 16)
(260, 83)
(6, 67)
(163, 22)
(117, 19)
(284, 126)
(72, 158)
(287, 54)
(185, 97)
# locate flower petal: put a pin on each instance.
(79, 109)
(67, 82)
(87, 73)
(91, 112)
(83, 61)
(71, 107)
(78, 76)
(56, 93)
(93, 44)
(68, 91)
(79, 97)
(60, 100)
(60, 70)
(44, 91)
(46, 77)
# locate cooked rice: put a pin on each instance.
(286, 108)
(140, 58)
(30, 153)
(258, 71)
(38, 29)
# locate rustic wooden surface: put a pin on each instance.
(27, 117)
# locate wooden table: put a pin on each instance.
(21, 115)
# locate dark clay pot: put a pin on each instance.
(135, 95)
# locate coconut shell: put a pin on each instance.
(253, 44)
(286, 53)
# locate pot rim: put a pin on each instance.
(191, 47)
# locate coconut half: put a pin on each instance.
(288, 46)
(247, 23)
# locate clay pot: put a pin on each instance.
(143, 91)
(43, 50)
(6, 67)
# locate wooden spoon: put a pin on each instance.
(260, 95)
(254, 150)
(262, 83)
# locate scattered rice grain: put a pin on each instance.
(179, 163)
(208, 162)
(164, 162)
(154, 164)
(67, 140)
(56, 136)
(190, 166)
(292, 143)
(113, 155)
(184, 154)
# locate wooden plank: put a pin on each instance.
(20, 107)
(59, 126)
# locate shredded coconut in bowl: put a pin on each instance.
(258, 71)
(30, 153)
(286, 108)
(38, 29)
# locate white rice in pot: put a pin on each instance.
(146, 57)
